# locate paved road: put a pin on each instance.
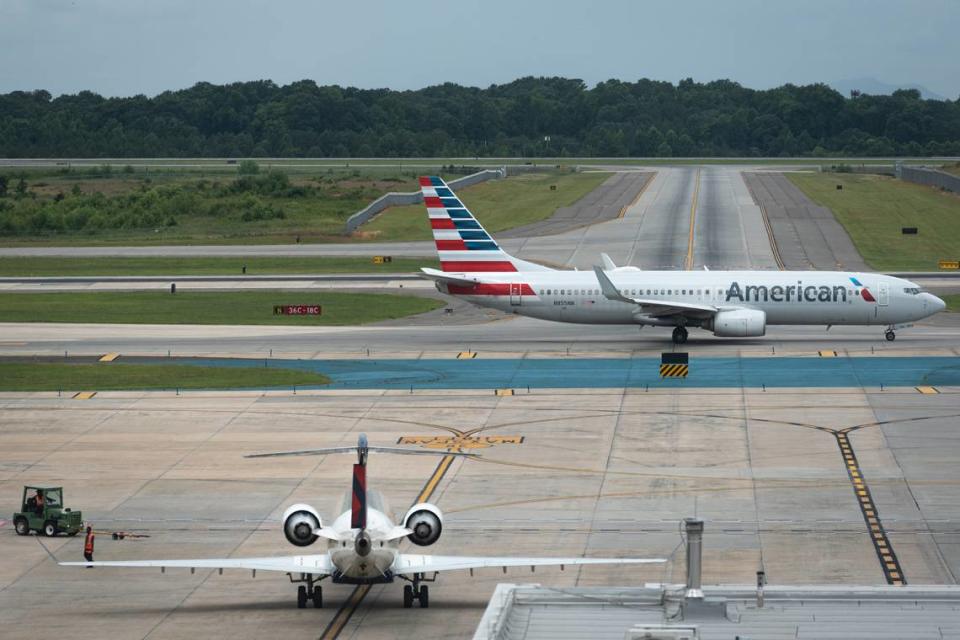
(808, 235)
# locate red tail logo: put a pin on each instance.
(358, 516)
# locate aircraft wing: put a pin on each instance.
(410, 563)
(655, 308)
(314, 564)
(449, 278)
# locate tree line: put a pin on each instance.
(529, 117)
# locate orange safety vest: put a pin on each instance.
(88, 543)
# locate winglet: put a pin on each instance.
(609, 291)
(607, 262)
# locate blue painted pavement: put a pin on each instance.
(592, 373)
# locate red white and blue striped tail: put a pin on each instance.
(463, 244)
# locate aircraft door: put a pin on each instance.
(515, 292)
(884, 298)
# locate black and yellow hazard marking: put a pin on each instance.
(504, 392)
(84, 395)
(349, 607)
(871, 516)
(110, 357)
(828, 353)
(459, 443)
(674, 364)
(674, 370)
(928, 390)
(466, 355)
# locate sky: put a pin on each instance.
(128, 47)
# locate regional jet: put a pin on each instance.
(363, 543)
(727, 303)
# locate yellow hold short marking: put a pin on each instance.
(928, 390)
(504, 392)
(466, 355)
(110, 357)
(674, 370)
(84, 395)
(828, 353)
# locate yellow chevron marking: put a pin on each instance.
(460, 442)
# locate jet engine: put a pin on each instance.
(738, 323)
(426, 522)
(299, 523)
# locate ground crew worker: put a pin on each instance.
(39, 502)
(88, 546)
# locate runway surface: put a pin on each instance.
(807, 235)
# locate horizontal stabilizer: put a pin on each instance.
(460, 279)
(327, 532)
(372, 449)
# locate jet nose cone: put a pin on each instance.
(934, 304)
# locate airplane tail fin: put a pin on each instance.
(358, 512)
(463, 244)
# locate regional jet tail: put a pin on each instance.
(363, 543)
(726, 303)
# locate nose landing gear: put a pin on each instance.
(679, 335)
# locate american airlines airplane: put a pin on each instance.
(731, 304)
(363, 543)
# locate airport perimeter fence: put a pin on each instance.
(929, 177)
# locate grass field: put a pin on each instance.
(874, 208)
(232, 307)
(200, 266)
(46, 376)
(953, 302)
(497, 204)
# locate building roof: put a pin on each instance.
(533, 612)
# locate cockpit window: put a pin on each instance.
(914, 291)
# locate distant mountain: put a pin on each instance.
(875, 87)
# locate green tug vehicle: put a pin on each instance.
(42, 511)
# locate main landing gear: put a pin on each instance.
(309, 591)
(416, 591)
(890, 335)
(679, 335)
